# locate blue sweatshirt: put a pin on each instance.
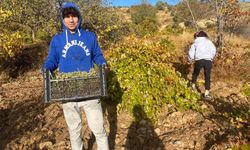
(74, 52)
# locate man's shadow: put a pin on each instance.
(141, 134)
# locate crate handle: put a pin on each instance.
(46, 83)
(104, 91)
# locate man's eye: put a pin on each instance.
(69, 16)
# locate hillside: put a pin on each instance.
(245, 6)
(164, 18)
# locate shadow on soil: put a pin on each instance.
(183, 68)
(31, 56)
(222, 117)
(141, 134)
(19, 119)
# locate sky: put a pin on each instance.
(136, 2)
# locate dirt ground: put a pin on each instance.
(26, 122)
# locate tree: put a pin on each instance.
(102, 19)
(144, 19)
(30, 15)
(228, 14)
(189, 11)
(160, 5)
(10, 42)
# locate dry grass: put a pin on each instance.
(124, 13)
(245, 6)
(182, 41)
(236, 45)
(232, 64)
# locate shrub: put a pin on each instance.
(173, 29)
(147, 27)
(146, 78)
(161, 5)
(144, 18)
(242, 147)
(246, 90)
(181, 12)
(139, 13)
(166, 44)
(10, 47)
(4, 14)
(10, 44)
(104, 21)
(43, 35)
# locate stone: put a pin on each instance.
(158, 131)
(204, 106)
(143, 122)
(45, 145)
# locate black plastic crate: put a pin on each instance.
(75, 89)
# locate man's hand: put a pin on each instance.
(104, 68)
(107, 69)
(42, 70)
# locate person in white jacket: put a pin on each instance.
(202, 51)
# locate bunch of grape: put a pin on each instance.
(78, 74)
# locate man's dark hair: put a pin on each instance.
(202, 34)
(70, 11)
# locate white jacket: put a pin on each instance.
(202, 48)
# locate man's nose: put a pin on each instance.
(71, 19)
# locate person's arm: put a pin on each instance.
(97, 55)
(213, 50)
(52, 60)
(191, 53)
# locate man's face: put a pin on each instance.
(71, 22)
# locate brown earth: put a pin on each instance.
(26, 122)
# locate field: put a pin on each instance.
(223, 122)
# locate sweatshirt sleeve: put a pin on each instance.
(97, 55)
(52, 60)
(191, 52)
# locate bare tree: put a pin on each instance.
(219, 5)
(227, 16)
(191, 12)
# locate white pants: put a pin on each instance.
(94, 114)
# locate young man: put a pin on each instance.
(202, 51)
(77, 50)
